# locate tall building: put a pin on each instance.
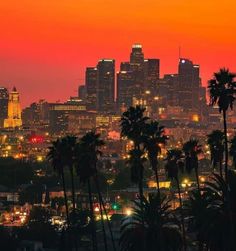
(151, 70)
(137, 67)
(106, 85)
(125, 88)
(91, 82)
(137, 56)
(189, 84)
(14, 110)
(3, 104)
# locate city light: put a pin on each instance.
(128, 212)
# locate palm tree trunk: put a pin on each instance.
(102, 205)
(103, 225)
(65, 197)
(73, 203)
(154, 168)
(94, 237)
(226, 146)
(72, 187)
(182, 215)
(197, 178)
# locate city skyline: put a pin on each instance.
(51, 49)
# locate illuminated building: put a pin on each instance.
(151, 71)
(106, 85)
(137, 67)
(136, 56)
(189, 84)
(59, 114)
(91, 82)
(3, 105)
(36, 114)
(14, 111)
(125, 88)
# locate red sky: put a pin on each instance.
(45, 45)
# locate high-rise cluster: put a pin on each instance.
(138, 82)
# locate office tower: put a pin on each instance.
(91, 83)
(137, 67)
(151, 70)
(106, 85)
(14, 110)
(125, 88)
(137, 56)
(189, 84)
(82, 92)
(3, 104)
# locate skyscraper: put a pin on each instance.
(91, 83)
(189, 84)
(151, 69)
(106, 85)
(3, 104)
(137, 56)
(14, 110)
(125, 88)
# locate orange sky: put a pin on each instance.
(45, 45)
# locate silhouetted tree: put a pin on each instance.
(222, 89)
(150, 227)
(173, 165)
(191, 150)
(154, 138)
(216, 142)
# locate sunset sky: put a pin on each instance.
(45, 45)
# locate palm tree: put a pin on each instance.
(160, 230)
(216, 142)
(69, 154)
(133, 123)
(86, 170)
(222, 89)
(173, 166)
(57, 160)
(88, 153)
(136, 161)
(232, 150)
(191, 150)
(154, 137)
(213, 222)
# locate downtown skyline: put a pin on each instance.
(45, 47)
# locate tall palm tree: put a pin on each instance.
(136, 162)
(69, 153)
(216, 142)
(232, 150)
(88, 153)
(222, 89)
(173, 165)
(86, 170)
(191, 150)
(154, 137)
(57, 160)
(160, 230)
(132, 124)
